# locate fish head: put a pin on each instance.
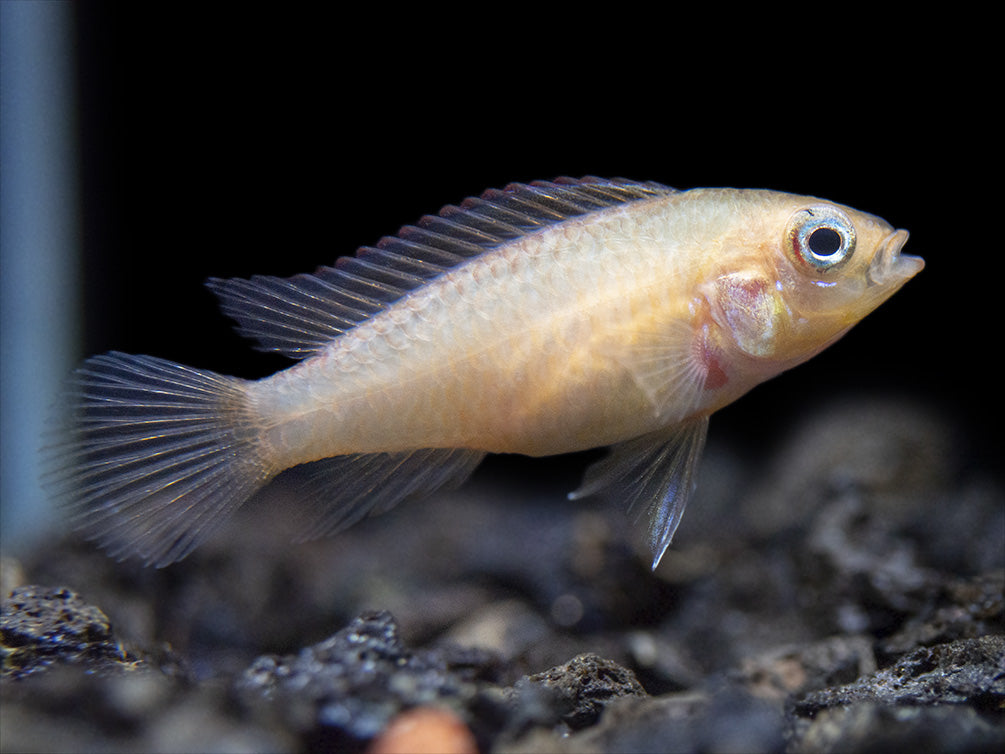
(813, 270)
(836, 265)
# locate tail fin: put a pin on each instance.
(155, 456)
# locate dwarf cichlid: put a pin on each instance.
(536, 319)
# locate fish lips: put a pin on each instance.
(889, 266)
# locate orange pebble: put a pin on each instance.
(425, 730)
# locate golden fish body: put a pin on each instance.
(539, 319)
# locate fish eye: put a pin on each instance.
(821, 237)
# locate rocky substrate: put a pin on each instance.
(840, 592)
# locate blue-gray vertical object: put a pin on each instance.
(39, 310)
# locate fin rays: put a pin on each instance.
(340, 491)
(154, 456)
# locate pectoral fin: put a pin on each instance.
(655, 473)
(666, 366)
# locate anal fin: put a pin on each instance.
(340, 491)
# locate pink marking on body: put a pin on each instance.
(716, 376)
(707, 355)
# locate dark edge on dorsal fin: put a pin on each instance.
(301, 315)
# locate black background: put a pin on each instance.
(231, 142)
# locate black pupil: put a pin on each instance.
(824, 241)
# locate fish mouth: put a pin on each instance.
(889, 266)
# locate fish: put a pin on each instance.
(542, 318)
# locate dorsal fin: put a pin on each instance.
(300, 315)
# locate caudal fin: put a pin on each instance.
(155, 455)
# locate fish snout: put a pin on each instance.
(889, 266)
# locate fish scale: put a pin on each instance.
(536, 319)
